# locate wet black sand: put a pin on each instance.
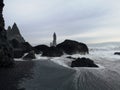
(11, 77)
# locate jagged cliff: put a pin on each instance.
(14, 33)
(6, 54)
(19, 45)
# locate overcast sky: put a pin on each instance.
(88, 21)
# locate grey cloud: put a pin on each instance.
(66, 17)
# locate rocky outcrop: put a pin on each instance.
(53, 52)
(68, 47)
(29, 56)
(41, 49)
(26, 47)
(48, 51)
(21, 48)
(14, 33)
(117, 53)
(83, 62)
(73, 47)
(6, 52)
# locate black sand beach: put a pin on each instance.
(11, 77)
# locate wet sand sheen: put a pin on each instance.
(11, 77)
(49, 75)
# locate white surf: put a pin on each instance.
(56, 73)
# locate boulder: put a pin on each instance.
(73, 47)
(6, 51)
(117, 53)
(83, 62)
(29, 56)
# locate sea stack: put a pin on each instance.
(14, 33)
(6, 54)
(54, 39)
(54, 43)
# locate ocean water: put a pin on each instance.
(56, 73)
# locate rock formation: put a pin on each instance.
(54, 43)
(6, 54)
(53, 52)
(20, 47)
(14, 33)
(41, 49)
(48, 51)
(18, 53)
(83, 62)
(29, 56)
(117, 53)
(73, 47)
(68, 47)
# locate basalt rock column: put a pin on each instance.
(54, 39)
(6, 54)
(54, 43)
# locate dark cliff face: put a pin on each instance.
(1, 15)
(14, 33)
(6, 56)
